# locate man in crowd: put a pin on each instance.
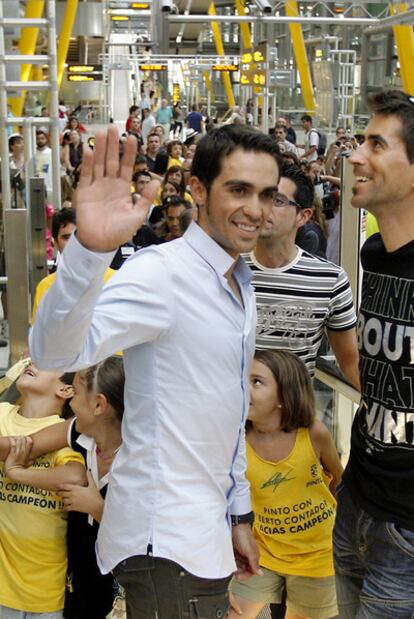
(187, 305)
(280, 133)
(148, 123)
(311, 139)
(374, 529)
(133, 113)
(163, 117)
(300, 296)
(153, 146)
(290, 132)
(175, 207)
(195, 120)
(43, 158)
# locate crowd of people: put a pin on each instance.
(165, 446)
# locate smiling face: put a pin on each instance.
(383, 174)
(239, 201)
(39, 382)
(264, 395)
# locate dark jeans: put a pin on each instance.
(374, 565)
(161, 589)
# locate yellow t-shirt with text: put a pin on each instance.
(33, 523)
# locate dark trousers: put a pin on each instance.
(157, 588)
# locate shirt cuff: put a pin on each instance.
(241, 505)
(76, 253)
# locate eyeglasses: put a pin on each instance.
(281, 200)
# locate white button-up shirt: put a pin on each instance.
(188, 343)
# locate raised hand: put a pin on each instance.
(105, 214)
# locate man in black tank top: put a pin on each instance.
(374, 530)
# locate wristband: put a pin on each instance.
(243, 519)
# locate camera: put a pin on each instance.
(264, 6)
(166, 6)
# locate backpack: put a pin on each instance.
(322, 142)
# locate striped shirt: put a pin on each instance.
(297, 301)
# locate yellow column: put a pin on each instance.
(64, 36)
(301, 58)
(404, 39)
(209, 85)
(220, 51)
(27, 45)
(244, 28)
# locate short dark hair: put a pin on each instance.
(133, 108)
(221, 142)
(281, 126)
(294, 386)
(176, 201)
(307, 118)
(397, 103)
(140, 159)
(142, 173)
(305, 192)
(61, 218)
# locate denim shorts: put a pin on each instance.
(374, 564)
(11, 613)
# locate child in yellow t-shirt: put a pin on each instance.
(289, 455)
(33, 522)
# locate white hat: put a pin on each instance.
(190, 133)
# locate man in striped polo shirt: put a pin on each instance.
(300, 296)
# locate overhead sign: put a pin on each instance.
(78, 77)
(176, 95)
(246, 64)
(153, 67)
(84, 68)
(225, 67)
(254, 66)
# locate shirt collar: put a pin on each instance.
(216, 256)
(87, 442)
